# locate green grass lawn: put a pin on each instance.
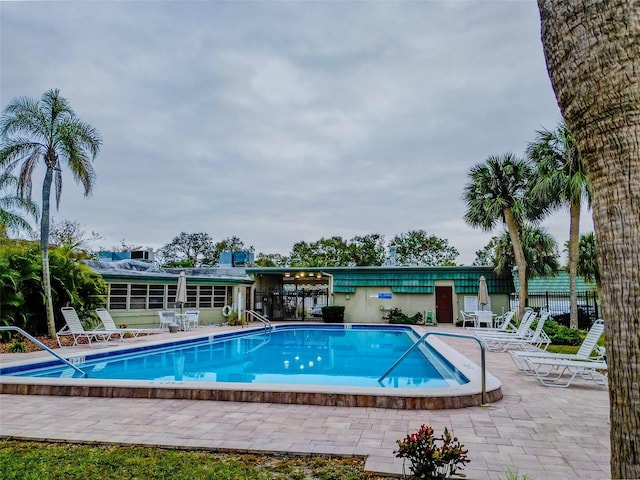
(562, 348)
(52, 461)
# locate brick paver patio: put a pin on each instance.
(545, 433)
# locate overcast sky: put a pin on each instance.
(285, 121)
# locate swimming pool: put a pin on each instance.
(321, 364)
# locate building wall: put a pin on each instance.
(364, 306)
(136, 309)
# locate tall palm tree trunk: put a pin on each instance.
(44, 246)
(521, 262)
(574, 253)
(592, 50)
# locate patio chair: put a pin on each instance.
(506, 324)
(549, 371)
(484, 317)
(192, 318)
(467, 318)
(585, 352)
(110, 325)
(166, 318)
(76, 331)
(429, 319)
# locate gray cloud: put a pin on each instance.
(285, 121)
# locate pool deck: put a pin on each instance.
(545, 433)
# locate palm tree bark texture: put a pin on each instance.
(592, 49)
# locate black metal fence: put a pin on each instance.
(558, 305)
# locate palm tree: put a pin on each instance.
(497, 193)
(592, 51)
(48, 131)
(561, 181)
(540, 251)
(588, 258)
(10, 202)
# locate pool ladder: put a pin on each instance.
(44, 347)
(418, 342)
(261, 318)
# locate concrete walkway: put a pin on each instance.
(545, 433)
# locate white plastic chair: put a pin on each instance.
(550, 371)
(585, 352)
(166, 319)
(192, 318)
(504, 325)
(467, 318)
(484, 317)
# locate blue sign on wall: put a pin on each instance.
(384, 296)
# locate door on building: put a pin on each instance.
(444, 304)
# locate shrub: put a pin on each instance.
(427, 459)
(17, 346)
(561, 335)
(22, 301)
(396, 316)
(333, 314)
(233, 319)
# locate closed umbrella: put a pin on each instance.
(483, 293)
(181, 290)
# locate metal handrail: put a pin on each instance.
(445, 334)
(44, 347)
(262, 318)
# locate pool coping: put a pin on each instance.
(469, 394)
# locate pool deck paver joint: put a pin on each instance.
(542, 432)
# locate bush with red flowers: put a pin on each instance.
(431, 457)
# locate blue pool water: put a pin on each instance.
(311, 355)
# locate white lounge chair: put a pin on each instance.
(538, 339)
(585, 352)
(550, 371)
(76, 331)
(523, 330)
(505, 321)
(110, 325)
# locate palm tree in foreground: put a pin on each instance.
(561, 181)
(47, 131)
(10, 203)
(592, 50)
(497, 193)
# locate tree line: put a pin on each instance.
(415, 247)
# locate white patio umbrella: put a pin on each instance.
(181, 290)
(483, 293)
